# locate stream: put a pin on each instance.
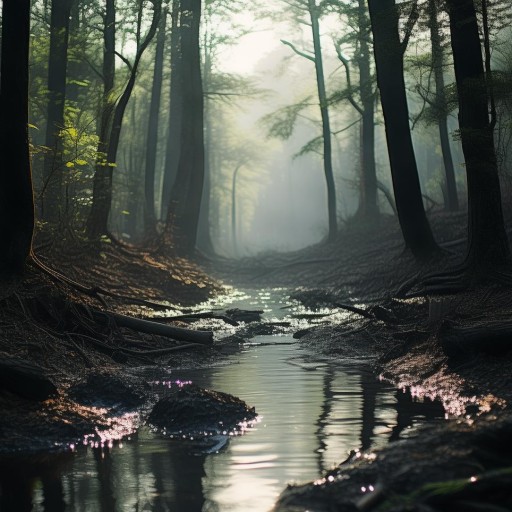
(312, 413)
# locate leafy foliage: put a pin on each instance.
(280, 124)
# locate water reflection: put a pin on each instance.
(313, 414)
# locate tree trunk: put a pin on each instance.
(53, 167)
(101, 181)
(152, 141)
(326, 128)
(368, 207)
(187, 192)
(451, 199)
(390, 79)
(204, 241)
(102, 191)
(172, 154)
(488, 242)
(16, 199)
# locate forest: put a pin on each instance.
(255, 257)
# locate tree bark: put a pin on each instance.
(102, 191)
(16, 198)
(326, 128)
(186, 195)
(53, 167)
(100, 183)
(388, 51)
(487, 239)
(172, 154)
(368, 206)
(451, 199)
(152, 140)
(204, 240)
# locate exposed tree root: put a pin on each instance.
(94, 291)
(455, 280)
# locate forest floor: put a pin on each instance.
(453, 348)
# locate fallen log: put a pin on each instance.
(149, 327)
(195, 316)
(244, 315)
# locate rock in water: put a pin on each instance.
(193, 411)
(106, 390)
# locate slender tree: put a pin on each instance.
(488, 242)
(53, 168)
(172, 153)
(389, 55)
(356, 14)
(16, 198)
(369, 208)
(313, 12)
(107, 109)
(441, 112)
(152, 137)
(326, 126)
(97, 223)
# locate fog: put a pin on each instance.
(280, 195)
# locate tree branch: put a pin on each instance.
(345, 63)
(413, 18)
(297, 51)
(125, 60)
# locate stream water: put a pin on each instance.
(312, 413)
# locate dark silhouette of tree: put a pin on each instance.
(152, 137)
(487, 239)
(53, 169)
(16, 198)
(439, 104)
(389, 55)
(185, 203)
(362, 98)
(97, 223)
(172, 153)
(107, 109)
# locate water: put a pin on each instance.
(312, 414)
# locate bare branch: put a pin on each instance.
(409, 26)
(297, 51)
(345, 63)
(125, 60)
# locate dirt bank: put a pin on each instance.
(452, 349)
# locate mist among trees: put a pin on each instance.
(235, 131)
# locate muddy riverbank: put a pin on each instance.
(450, 350)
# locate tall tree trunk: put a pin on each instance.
(172, 154)
(488, 242)
(53, 167)
(16, 199)
(97, 223)
(152, 140)
(326, 128)
(187, 192)
(451, 199)
(204, 241)
(75, 65)
(390, 78)
(100, 182)
(368, 208)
